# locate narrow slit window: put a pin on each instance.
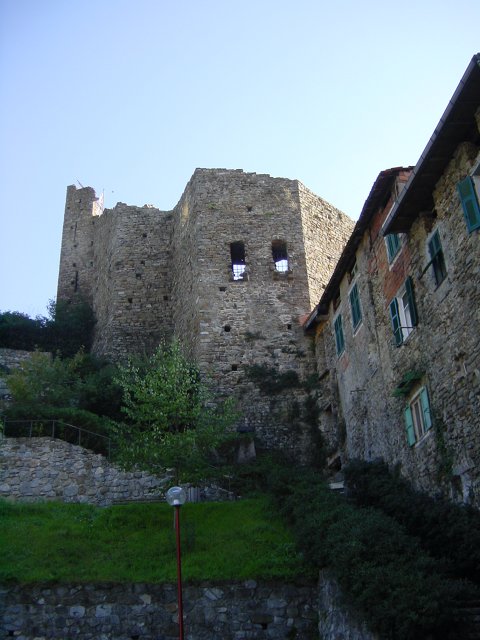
(280, 256)
(237, 253)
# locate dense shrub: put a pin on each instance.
(69, 328)
(449, 532)
(19, 331)
(384, 573)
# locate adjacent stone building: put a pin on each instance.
(231, 271)
(397, 327)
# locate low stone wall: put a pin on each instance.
(235, 611)
(44, 468)
(335, 621)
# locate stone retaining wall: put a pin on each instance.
(45, 468)
(256, 610)
(236, 611)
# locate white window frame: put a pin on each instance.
(404, 312)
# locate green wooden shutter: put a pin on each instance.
(393, 245)
(396, 324)
(427, 418)
(471, 209)
(409, 426)
(411, 301)
(355, 306)
(434, 246)
(339, 339)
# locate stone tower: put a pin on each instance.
(77, 254)
(231, 272)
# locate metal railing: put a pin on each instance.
(60, 430)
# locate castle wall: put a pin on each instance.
(157, 274)
(233, 324)
(77, 267)
(132, 285)
(325, 233)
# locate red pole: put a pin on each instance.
(179, 573)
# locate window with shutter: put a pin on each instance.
(395, 319)
(392, 242)
(411, 318)
(403, 312)
(427, 419)
(355, 307)
(469, 199)
(417, 415)
(409, 426)
(437, 259)
(339, 339)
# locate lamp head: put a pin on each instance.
(176, 496)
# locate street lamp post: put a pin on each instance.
(176, 496)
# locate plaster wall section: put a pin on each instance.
(369, 420)
(132, 289)
(77, 265)
(326, 230)
(357, 373)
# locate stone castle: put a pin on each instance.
(366, 333)
(231, 271)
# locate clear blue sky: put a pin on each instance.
(130, 96)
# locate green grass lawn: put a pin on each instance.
(136, 543)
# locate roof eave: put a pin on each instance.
(456, 124)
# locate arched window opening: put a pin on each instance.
(280, 256)
(237, 253)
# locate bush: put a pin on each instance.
(68, 329)
(449, 532)
(384, 573)
(19, 331)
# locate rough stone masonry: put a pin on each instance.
(231, 271)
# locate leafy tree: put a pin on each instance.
(68, 328)
(19, 331)
(173, 421)
(43, 385)
(45, 380)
